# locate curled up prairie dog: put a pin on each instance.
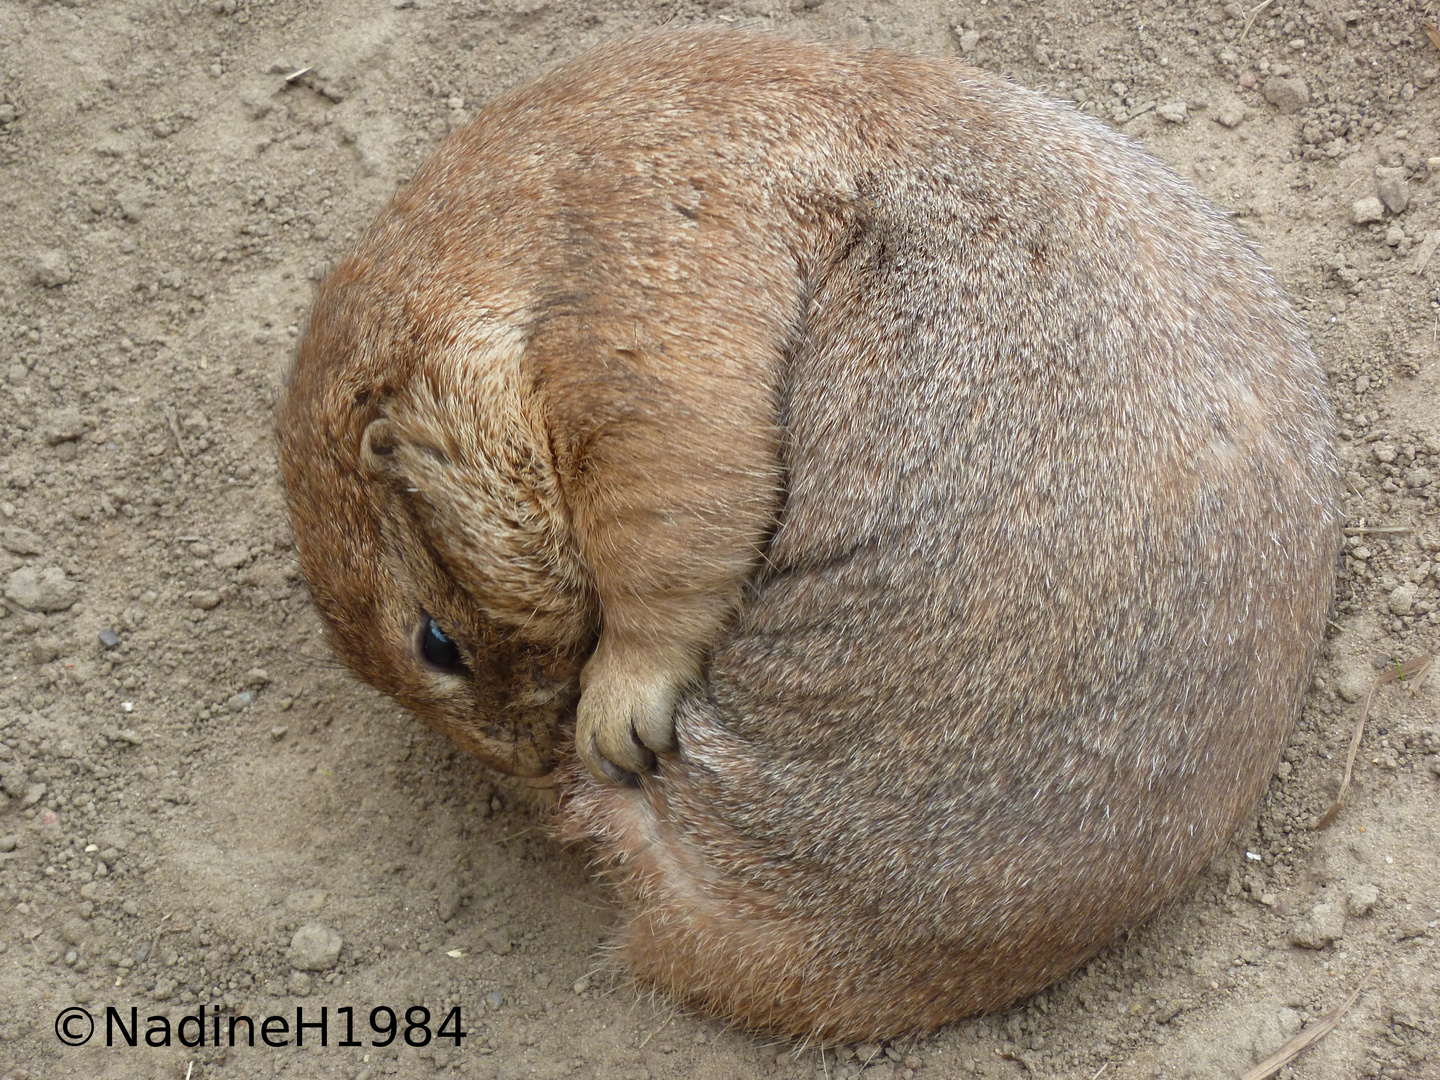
(919, 505)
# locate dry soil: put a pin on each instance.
(188, 780)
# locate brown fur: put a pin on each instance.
(936, 484)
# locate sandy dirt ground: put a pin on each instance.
(201, 812)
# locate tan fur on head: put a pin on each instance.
(400, 457)
(923, 496)
(466, 447)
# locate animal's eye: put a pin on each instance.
(439, 651)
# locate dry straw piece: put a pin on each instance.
(1306, 1038)
(1413, 673)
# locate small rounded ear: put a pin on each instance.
(377, 448)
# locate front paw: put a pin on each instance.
(624, 717)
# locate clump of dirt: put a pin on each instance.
(199, 811)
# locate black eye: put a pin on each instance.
(439, 651)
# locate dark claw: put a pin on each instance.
(619, 775)
(614, 772)
(646, 754)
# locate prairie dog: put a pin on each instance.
(919, 495)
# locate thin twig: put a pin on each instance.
(1414, 670)
(1250, 19)
(1383, 530)
(159, 929)
(1307, 1038)
(175, 430)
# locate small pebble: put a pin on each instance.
(1402, 598)
(231, 558)
(1367, 211)
(448, 902)
(51, 269)
(314, 947)
(205, 599)
(1394, 192)
(1360, 900)
(109, 638)
(20, 541)
(1287, 95)
(1230, 116)
(13, 779)
(45, 590)
(7, 843)
(278, 733)
(62, 426)
(1174, 112)
(258, 103)
(867, 1052)
(1324, 925)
